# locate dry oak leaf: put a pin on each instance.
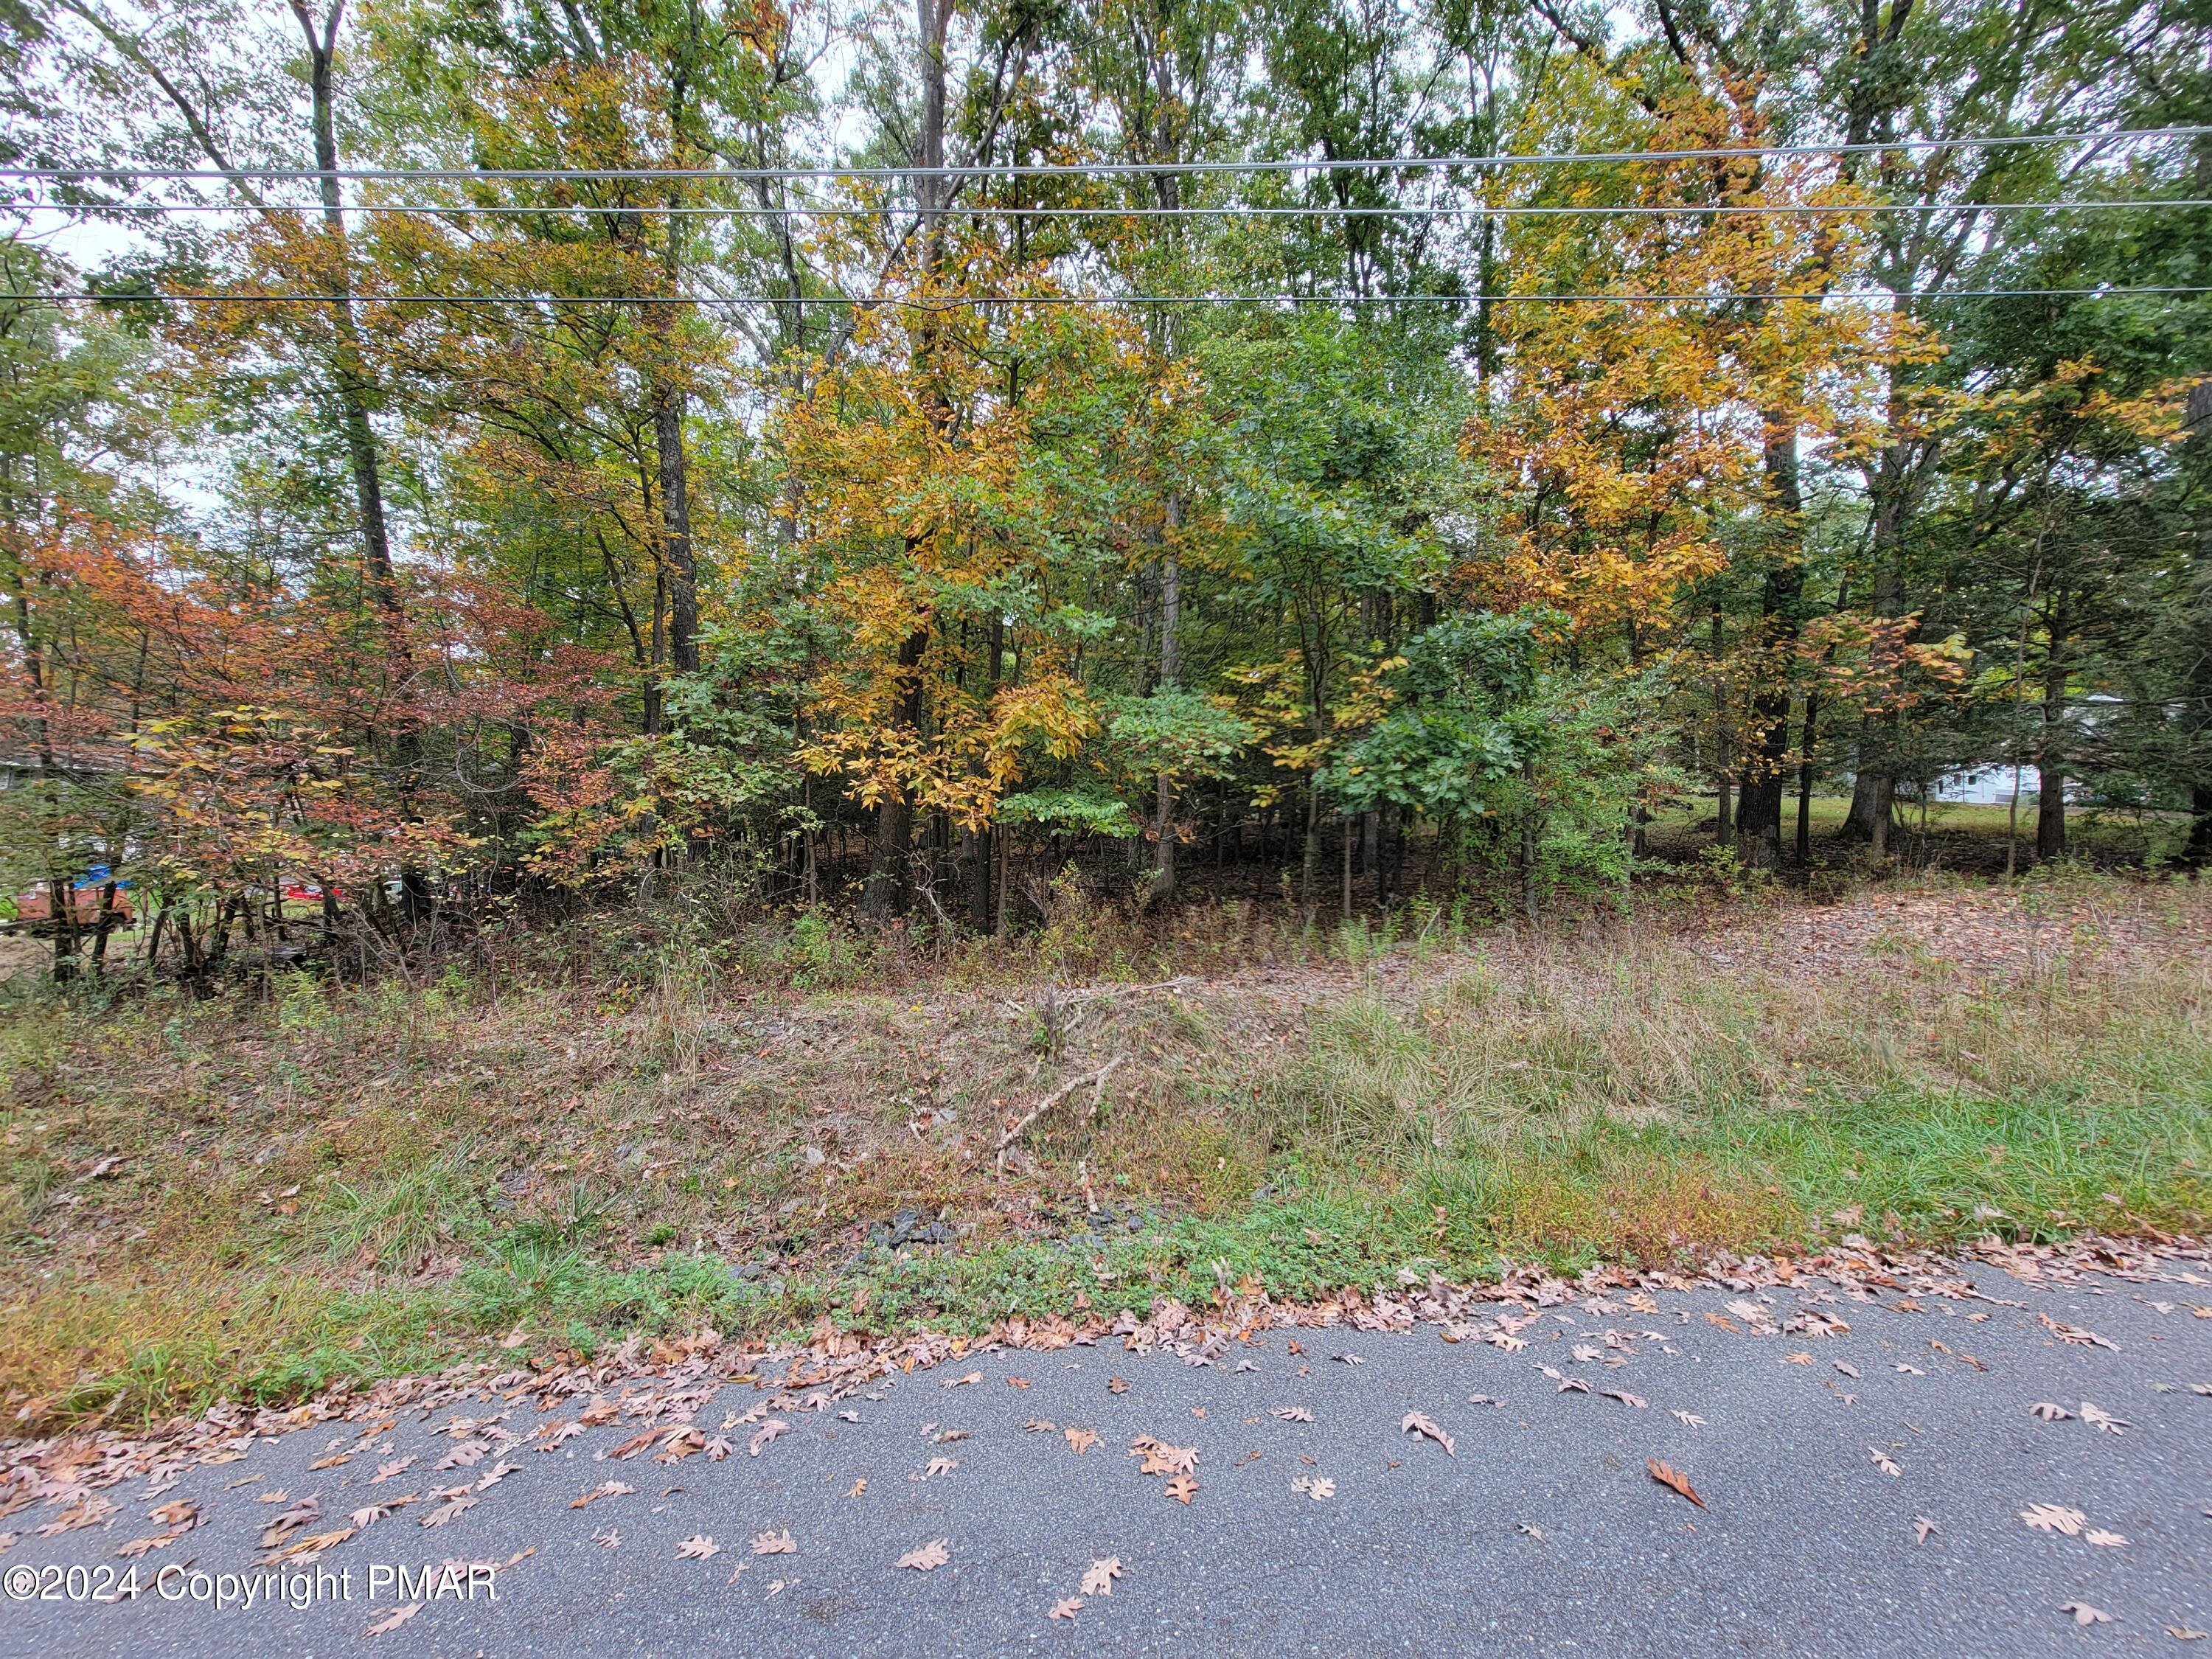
(1797, 1359)
(2053, 1517)
(2085, 1615)
(2099, 1536)
(138, 1546)
(1160, 1458)
(1672, 1478)
(697, 1547)
(763, 1435)
(775, 1543)
(369, 1514)
(1018, 1382)
(1883, 1461)
(2098, 1418)
(939, 1466)
(309, 1546)
(2076, 1335)
(1066, 1608)
(460, 1499)
(962, 1382)
(1294, 1414)
(177, 1512)
(606, 1489)
(392, 1620)
(1414, 1423)
(718, 1449)
(1922, 1526)
(331, 1462)
(608, 1540)
(1182, 1489)
(1080, 1441)
(1116, 1385)
(1689, 1419)
(1625, 1397)
(2184, 1633)
(1316, 1487)
(1040, 1425)
(1099, 1581)
(2048, 1412)
(928, 1557)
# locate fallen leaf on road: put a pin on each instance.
(608, 1540)
(1414, 1423)
(1116, 1385)
(1080, 1441)
(1040, 1425)
(763, 1435)
(1625, 1397)
(460, 1498)
(2184, 1633)
(858, 1486)
(1018, 1382)
(1099, 1581)
(472, 1451)
(138, 1546)
(1797, 1359)
(1914, 1370)
(928, 1557)
(1348, 1359)
(1160, 1458)
(331, 1462)
(1847, 1368)
(606, 1489)
(497, 1473)
(697, 1547)
(177, 1512)
(1483, 1399)
(1182, 1489)
(2048, 1412)
(1922, 1526)
(775, 1543)
(939, 1466)
(1294, 1414)
(1722, 1320)
(1883, 1461)
(962, 1382)
(1672, 1478)
(1689, 1419)
(1316, 1487)
(718, 1449)
(2098, 1536)
(2097, 1418)
(392, 1620)
(2085, 1615)
(2076, 1335)
(2053, 1517)
(1066, 1608)
(368, 1515)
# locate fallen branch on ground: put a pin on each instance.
(1096, 1080)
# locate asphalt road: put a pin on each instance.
(1543, 1533)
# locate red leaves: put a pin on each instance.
(1672, 1478)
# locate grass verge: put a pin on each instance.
(260, 1198)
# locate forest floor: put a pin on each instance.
(260, 1194)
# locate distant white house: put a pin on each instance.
(1985, 785)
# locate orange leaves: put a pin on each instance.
(1672, 1478)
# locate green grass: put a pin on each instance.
(347, 1186)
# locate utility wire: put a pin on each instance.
(1118, 169)
(955, 303)
(1468, 211)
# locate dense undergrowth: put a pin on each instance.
(264, 1194)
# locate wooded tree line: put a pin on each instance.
(508, 445)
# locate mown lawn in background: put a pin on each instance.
(358, 1183)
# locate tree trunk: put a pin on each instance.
(2050, 751)
(1164, 867)
(1767, 747)
(888, 890)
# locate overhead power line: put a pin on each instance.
(956, 303)
(1116, 169)
(1460, 211)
